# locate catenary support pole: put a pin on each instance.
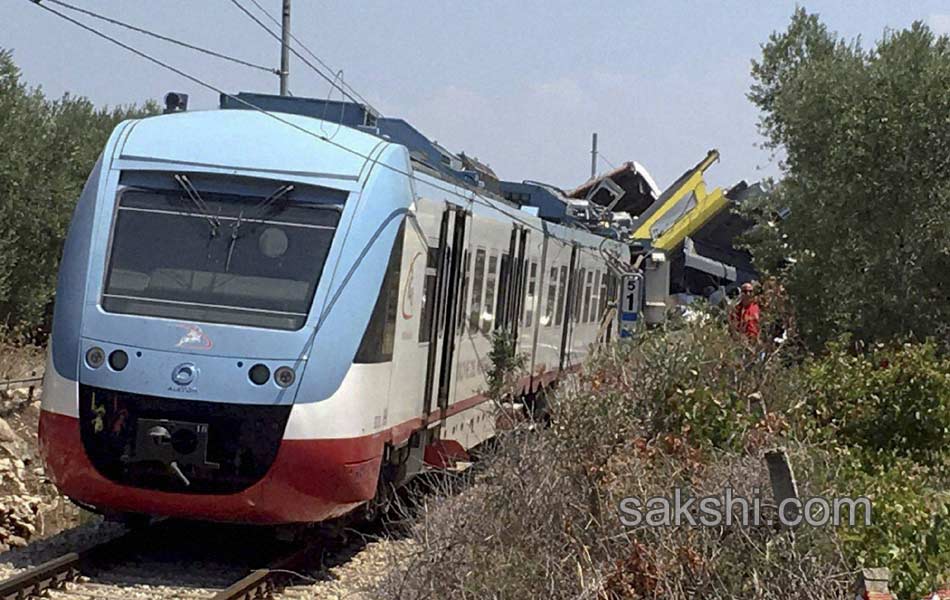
(593, 157)
(285, 48)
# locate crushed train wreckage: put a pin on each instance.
(683, 236)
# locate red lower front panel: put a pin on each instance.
(310, 480)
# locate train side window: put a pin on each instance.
(488, 315)
(428, 294)
(612, 287)
(578, 294)
(530, 295)
(595, 303)
(588, 290)
(552, 298)
(380, 335)
(463, 292)
(503, 291)
(561, 297)
(478, 280)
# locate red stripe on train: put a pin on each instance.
(310, 480)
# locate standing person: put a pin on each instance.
(745, 316)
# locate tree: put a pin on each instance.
(866, 176)
(49, 147)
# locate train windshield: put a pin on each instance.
(218, 258)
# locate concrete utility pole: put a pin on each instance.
(593, 157)
(285, 48)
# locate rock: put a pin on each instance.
(14, 445)
(31, 414)
(7, 434)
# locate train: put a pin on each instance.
(265, 317)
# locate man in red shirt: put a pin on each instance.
(745, 316)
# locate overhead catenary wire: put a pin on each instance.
(159, 36)
(329, 78)
(601, 156)
(473, 198)
(323, 63)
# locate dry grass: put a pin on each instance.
(20, 361)
(542, 518)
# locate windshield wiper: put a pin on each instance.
(268, 202)
(259, 214)
(234, 237)
(199, 203)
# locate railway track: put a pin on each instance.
(164, 561)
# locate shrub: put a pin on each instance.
(506, 363)
(910, 525)
(892, 400)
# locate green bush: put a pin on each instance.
(891, 400)
(910, 523)
(506, 363)
(48, 148)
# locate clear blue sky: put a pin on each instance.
(521, 85)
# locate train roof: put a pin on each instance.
(253, 141)
(275, 142)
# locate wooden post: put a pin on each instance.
(872, 584)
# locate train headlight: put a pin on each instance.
(259, 374)
(118, 360)
(95, 356)
(285, 376)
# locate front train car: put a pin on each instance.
(216, 271)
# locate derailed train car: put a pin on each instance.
(258, 322)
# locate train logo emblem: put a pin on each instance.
(184, 374)
(194, 338)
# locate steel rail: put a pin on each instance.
(55, 573)
(264, 583)
(13, 384)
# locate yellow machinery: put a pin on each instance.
(679, 212)
(682, 209)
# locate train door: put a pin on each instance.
(518, 282)
(568, 309)
(510, 293)
(540, 307)
(446, 259)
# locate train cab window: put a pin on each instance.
(488, 315)
(587, 294)
(551, 303)
(428, 294)
(380, 334)
(478, 282)
(252, 258)
(561, 297)
(530, 298)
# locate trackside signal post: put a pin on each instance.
(629, 313)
